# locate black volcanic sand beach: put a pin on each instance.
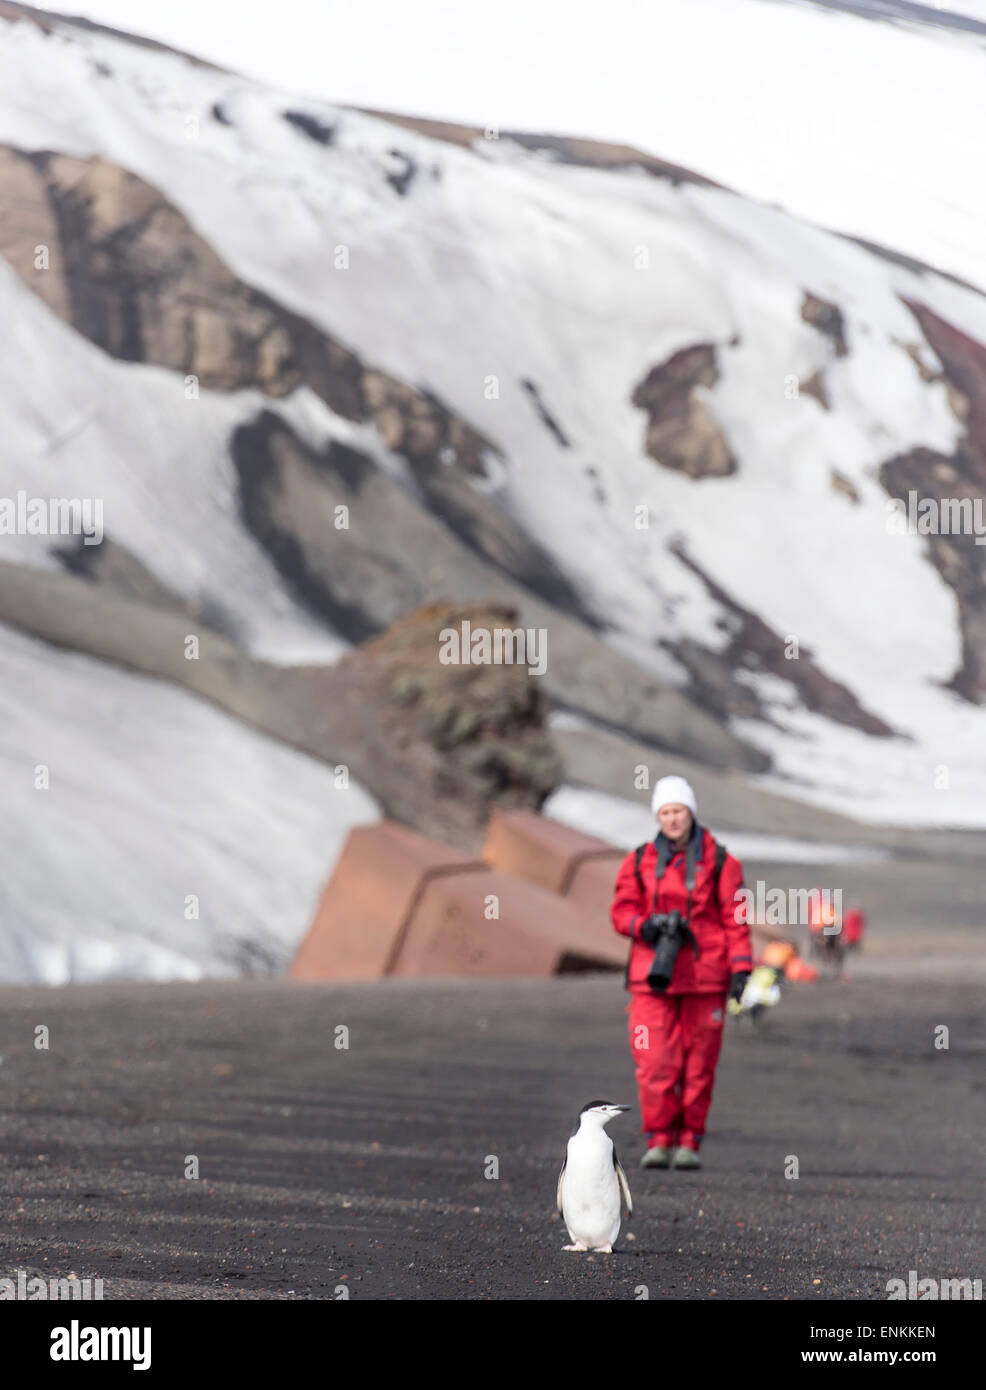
(325, 1169)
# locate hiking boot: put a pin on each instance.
(656, 1158)
(686, 1158)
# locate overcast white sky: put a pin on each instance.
(853, 124)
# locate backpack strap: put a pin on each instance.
(638, 854)
(720, 859)
(663, 857)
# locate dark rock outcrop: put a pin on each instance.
(840, 483)
(311, 126)
(545, 415)
(393, 552)
(482, 727)
(814, 385)
(949, 481)
(753, 645)
(957, 480)
(681, 433)
(130, 273)
(401, 174)
(826, 318)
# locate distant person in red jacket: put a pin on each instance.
(690, 953)
(853, 926)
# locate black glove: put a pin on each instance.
(649, 930)
(737, 984)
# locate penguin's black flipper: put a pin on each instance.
(622, 1179)
(561, 1179)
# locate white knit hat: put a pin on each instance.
(673, 790)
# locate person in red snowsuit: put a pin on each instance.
(676, 1034)
(853, 926)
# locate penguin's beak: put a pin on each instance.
(622, 1107)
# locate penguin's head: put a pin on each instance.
(600, 1112)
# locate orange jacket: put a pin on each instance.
(821, 914)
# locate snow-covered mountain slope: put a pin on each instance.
(76, 423)
(536, 298)
(153, 798)
(966, 18)
(852, 114)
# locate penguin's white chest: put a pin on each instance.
(591, 1193)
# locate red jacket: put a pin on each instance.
(723, 941)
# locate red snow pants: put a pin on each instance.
(675, 1040)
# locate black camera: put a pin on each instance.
(671, 930)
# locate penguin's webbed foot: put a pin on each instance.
(579, 1245)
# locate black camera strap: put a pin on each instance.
(690, 871)
(663, 859)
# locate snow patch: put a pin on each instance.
(155, 798)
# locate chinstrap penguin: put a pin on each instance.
(592, 1181)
